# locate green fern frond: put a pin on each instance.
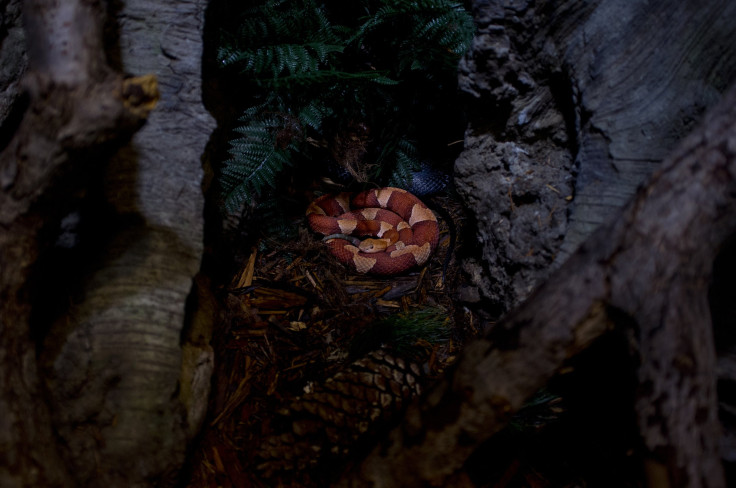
(322, 50)
(257, 158)
(228, 55)
(393, 9)
(314, 114)
(438, 31)
(323, 31)
(451, 29)
(271, 103)
(249, 173)
(274, 41)
(276, 20)
(314, 75)
(279, 64)
(400, 160)
(328, 77)
(272, 61)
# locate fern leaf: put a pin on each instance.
(323, 50)
(236, 195)
(309, 71)
(406, 162)
(313, 114)
(328, 77)
(438, 25)
(383, 80)
(257, 158)
(228, 55)
(451, 30)
(272, 103)
(273, 40)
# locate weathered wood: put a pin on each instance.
(112, 357)
(572, 104)
(115, 356)
(13, 62)
(78, 108)
(647, 271)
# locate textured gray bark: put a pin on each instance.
(573, 104)
(115, 358)
(78, 109)
(12, 57)
(98, 254)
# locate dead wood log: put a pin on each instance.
(127, 356)
(571, 105)
(79, 109)
(647, 271)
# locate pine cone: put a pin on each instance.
(350, 407)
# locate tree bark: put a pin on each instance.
(115, 360)
(97, 259)
(571, 105)
(647, 271)
(13, 64)
(79, 108)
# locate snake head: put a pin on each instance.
(373, 245)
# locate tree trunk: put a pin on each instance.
(647, 272)
(97, 259)
(572, 104)
(61, 120)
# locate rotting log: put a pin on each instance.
(647, 272)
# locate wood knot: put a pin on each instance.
(140, 94)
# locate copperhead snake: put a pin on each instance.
(404, 231)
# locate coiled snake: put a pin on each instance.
(403, 230)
